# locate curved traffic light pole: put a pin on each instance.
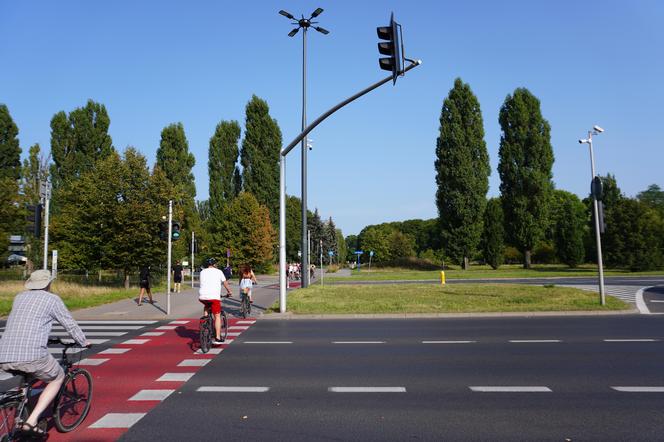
(282, 178)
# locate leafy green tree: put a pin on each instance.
(352, 245)
(653, 196)
(293, 227)
(78, 140)
(401, 245)
(570, 217)
(222, 164)
(493, 243)
(611, 197)
(526, 159)
(10, 173)
(342, 249)
(329, 239)
(260, 156)
(316, 229)
(34, 172)
(462, 173)
(10, 150)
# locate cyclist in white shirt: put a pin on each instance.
(209, 294)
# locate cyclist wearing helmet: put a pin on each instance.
(209, 294)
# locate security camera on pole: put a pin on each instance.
(596, 191)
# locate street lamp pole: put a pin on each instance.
(304, 24)
(589, 141)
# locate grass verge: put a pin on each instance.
(481, 272)
(457, 298)
(75, 296)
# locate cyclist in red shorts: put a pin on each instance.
(209, 294)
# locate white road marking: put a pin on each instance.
(151, 395)
(640, 303)
(448, 342)
(238, 327)
(640, 389)
(655, 300)
(4, 375)
(167, 327)
(235, 334)
(367, 389)
(245, 322)
(114, 351)
(267, 342)
(179, 322)
(153, 334)
(93, 362)
(104, 327)
(358, 342)
(212, 351)
(218, 389)
(110, 333)
(512, 389)
(56, 350)
(118, 420)
(116, 322)
(175, 377)
(534, 341)
(135, 341)
(194, 362)
(97, 341)
(631, 340)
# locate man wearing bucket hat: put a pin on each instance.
(23, 346)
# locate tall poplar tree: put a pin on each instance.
(260, 156)
(526, 159)
(10, 172)
(222, 164)
(78, 140)
(462, 173)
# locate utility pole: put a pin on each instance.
(168, 264)
(45, 189)
(193, 247)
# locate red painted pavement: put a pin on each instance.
(124, 375)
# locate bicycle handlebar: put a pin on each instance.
(67, 343)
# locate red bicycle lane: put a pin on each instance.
(134, 376)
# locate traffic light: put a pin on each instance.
(391, 47)
(34, 219)
(600, 217)
(163, 230)
(175, 231)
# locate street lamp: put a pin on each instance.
(304, 24)
(594, 191)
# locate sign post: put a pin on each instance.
(370, 256)
(54, 265)
(358, 253)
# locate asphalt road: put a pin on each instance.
(580, 378)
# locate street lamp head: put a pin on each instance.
(321, 30)
(316, 13)
(583, 141)
(293, 32)
(598, 129)
(287, 14)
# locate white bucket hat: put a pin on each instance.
(39, 279)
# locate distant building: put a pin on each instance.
(17, 250)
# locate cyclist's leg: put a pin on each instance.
(217, 326)
(49, 371)
(140, 296)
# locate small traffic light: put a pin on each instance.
(391, 47)
(34, 219)
(163, 230)
(175, 231)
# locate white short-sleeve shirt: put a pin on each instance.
(211, 280)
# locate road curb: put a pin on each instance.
(293, 316)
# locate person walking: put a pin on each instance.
(145, 285)
(177, 276)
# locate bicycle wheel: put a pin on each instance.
(73, 400)
(9, 417)
(224, 326)
(243, 305)
(205, 334)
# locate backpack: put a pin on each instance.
(228, 272)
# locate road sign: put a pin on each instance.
(331, 253)
(358, 252)
(371, 253)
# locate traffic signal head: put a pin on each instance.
(163, 230)
(391, 47)
(175, 231)
(34, 219)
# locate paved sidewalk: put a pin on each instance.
(183, 305)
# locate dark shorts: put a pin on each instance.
(177, 278)
(145, 285)
(212, 304)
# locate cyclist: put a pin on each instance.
(247, 280)
(209, 294)
(24, 343)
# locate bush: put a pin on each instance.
(513, 255)
(544, 253)
(409, 263)
(332, 268)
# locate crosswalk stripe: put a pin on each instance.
(151, 395)
(118, 420)
(175, 377)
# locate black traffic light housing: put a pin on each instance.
(392, 47)
(34, 219)
(163, 230)
(600, 217)
(175, 231)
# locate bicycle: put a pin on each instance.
(70, 407)
(245, 305)
(206, 330)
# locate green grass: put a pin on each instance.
(430, 298)
(481, 272)
(75, 296)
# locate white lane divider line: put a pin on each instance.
(135, 341)
(167, 327)
(179, 322)
(534, 341)
(510, 389)
(220, 389)
(238, 327)
(153, 334)
(268, 342)
(358, 342)
(116, 322)
(246, 322)
(118, 420)
(367, 389)
(92, 362)
(656, 300)
(212, 351)
(151, 395)
(96, 341)
(175, 377)
(640, 389)
(448, 342)
(631, 340)
(114, 351)
(194, 362)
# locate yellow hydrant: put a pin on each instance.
(442, 277)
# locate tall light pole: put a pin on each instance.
(589, 141)
(304, 24)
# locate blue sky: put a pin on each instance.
(153, 63)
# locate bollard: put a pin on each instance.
(442, 277)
